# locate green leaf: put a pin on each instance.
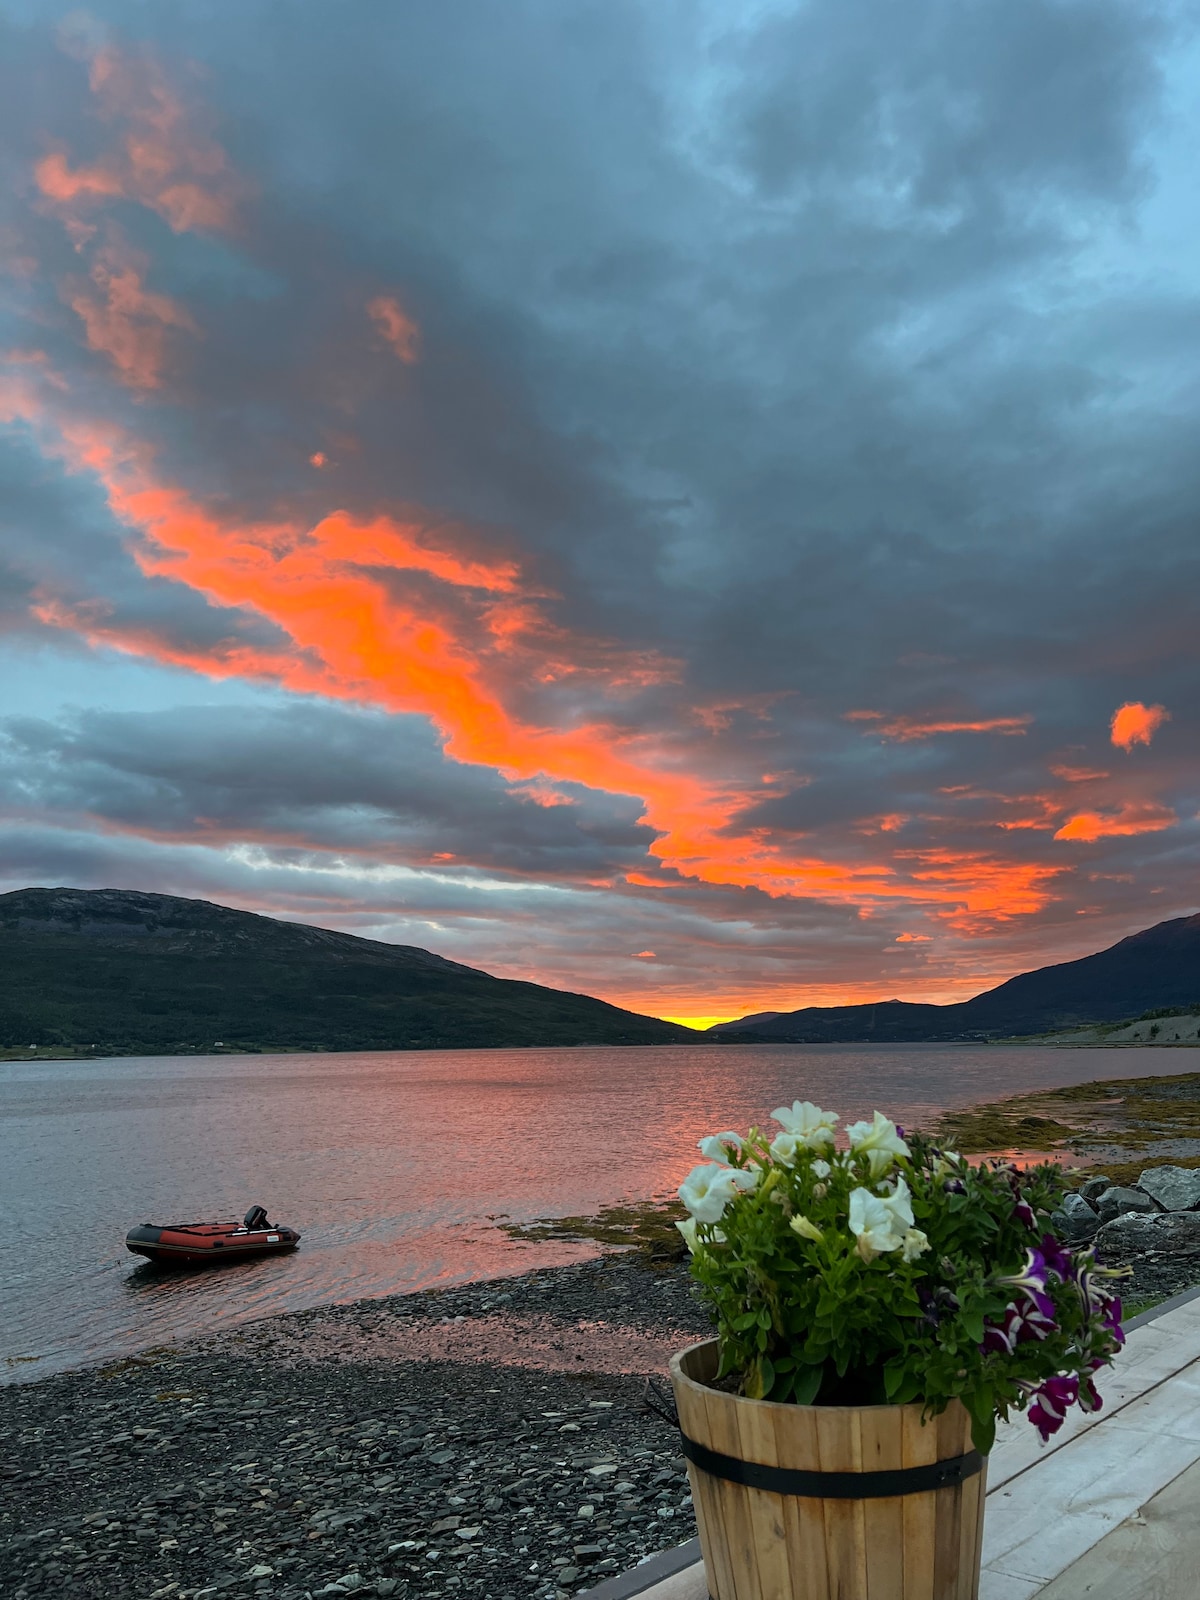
(808, 1382)
(972, 1321)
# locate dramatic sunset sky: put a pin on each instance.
(694, 501)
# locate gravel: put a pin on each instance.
(247, 1467)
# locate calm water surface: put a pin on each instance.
(394, 1167)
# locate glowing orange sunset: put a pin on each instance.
(375, 564)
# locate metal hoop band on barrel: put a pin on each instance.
(833, 1485)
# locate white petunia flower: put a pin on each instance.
(784, 1147)
(707, 1190)
(879, 1141)
(806, 1228)
(915, 1244)
(688, 1229)
(899, 1203)
(812, 1126)
(821, 1169)
(718, 1145)
(874, 1224)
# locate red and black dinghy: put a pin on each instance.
(210, 1244)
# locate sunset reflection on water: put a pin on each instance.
(396, 1168)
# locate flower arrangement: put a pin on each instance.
(893, 1271)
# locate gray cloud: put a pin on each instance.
(308, 774)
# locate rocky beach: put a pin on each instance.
(488, 1440)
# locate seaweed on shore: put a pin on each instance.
(1122, 1125)
(645, 1226)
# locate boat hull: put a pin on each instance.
(207, 1244)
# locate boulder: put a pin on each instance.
(1138, 1230)
(1117, 1202)
(1175, 1188)
(1075, 1220)
(1095, 1187)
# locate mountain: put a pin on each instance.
(1157, 968)
(133, 973)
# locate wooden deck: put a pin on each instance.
(1108, 1510)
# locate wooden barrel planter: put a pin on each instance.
(828, 1502)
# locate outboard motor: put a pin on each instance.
(255, 1219)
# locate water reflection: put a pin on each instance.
(395, 1168)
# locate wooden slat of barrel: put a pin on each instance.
(803, 1518)
(840, 1446)
(882, 1432)
(764, 1512)
(948, 1510)
(692, 1405)
(919, 1448)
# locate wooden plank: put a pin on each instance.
(756, 1431)
(918, 1446)
(881, 1431)
(1148, 1557)
(741, 1543)
(839, 1447)
(796, 1447)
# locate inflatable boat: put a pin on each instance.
(210, 1244)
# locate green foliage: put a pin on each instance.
(812, 1308)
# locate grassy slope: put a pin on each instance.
(254, 983)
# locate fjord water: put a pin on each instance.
(395, 1167)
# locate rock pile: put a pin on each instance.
(1152, 1226)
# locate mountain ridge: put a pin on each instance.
(1157, 966)
(126, 971)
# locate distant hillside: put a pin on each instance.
(138, 973)
(1150, 970)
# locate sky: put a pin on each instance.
(690, 501)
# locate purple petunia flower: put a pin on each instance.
(1031, 1281)
(1050, 1404)
(1089, 1395)
(1019, 1325)
(1058, 1261)
(1112, 1318)
(1023, 1212)
(1098, 1300)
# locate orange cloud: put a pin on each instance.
(1131, 819)
(982, 889)
(394, 614)
(1133, 723)
(904, 729)
(913, 938)
(123, 319)
(162, 159)
(396, 327)
(1078, 774)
